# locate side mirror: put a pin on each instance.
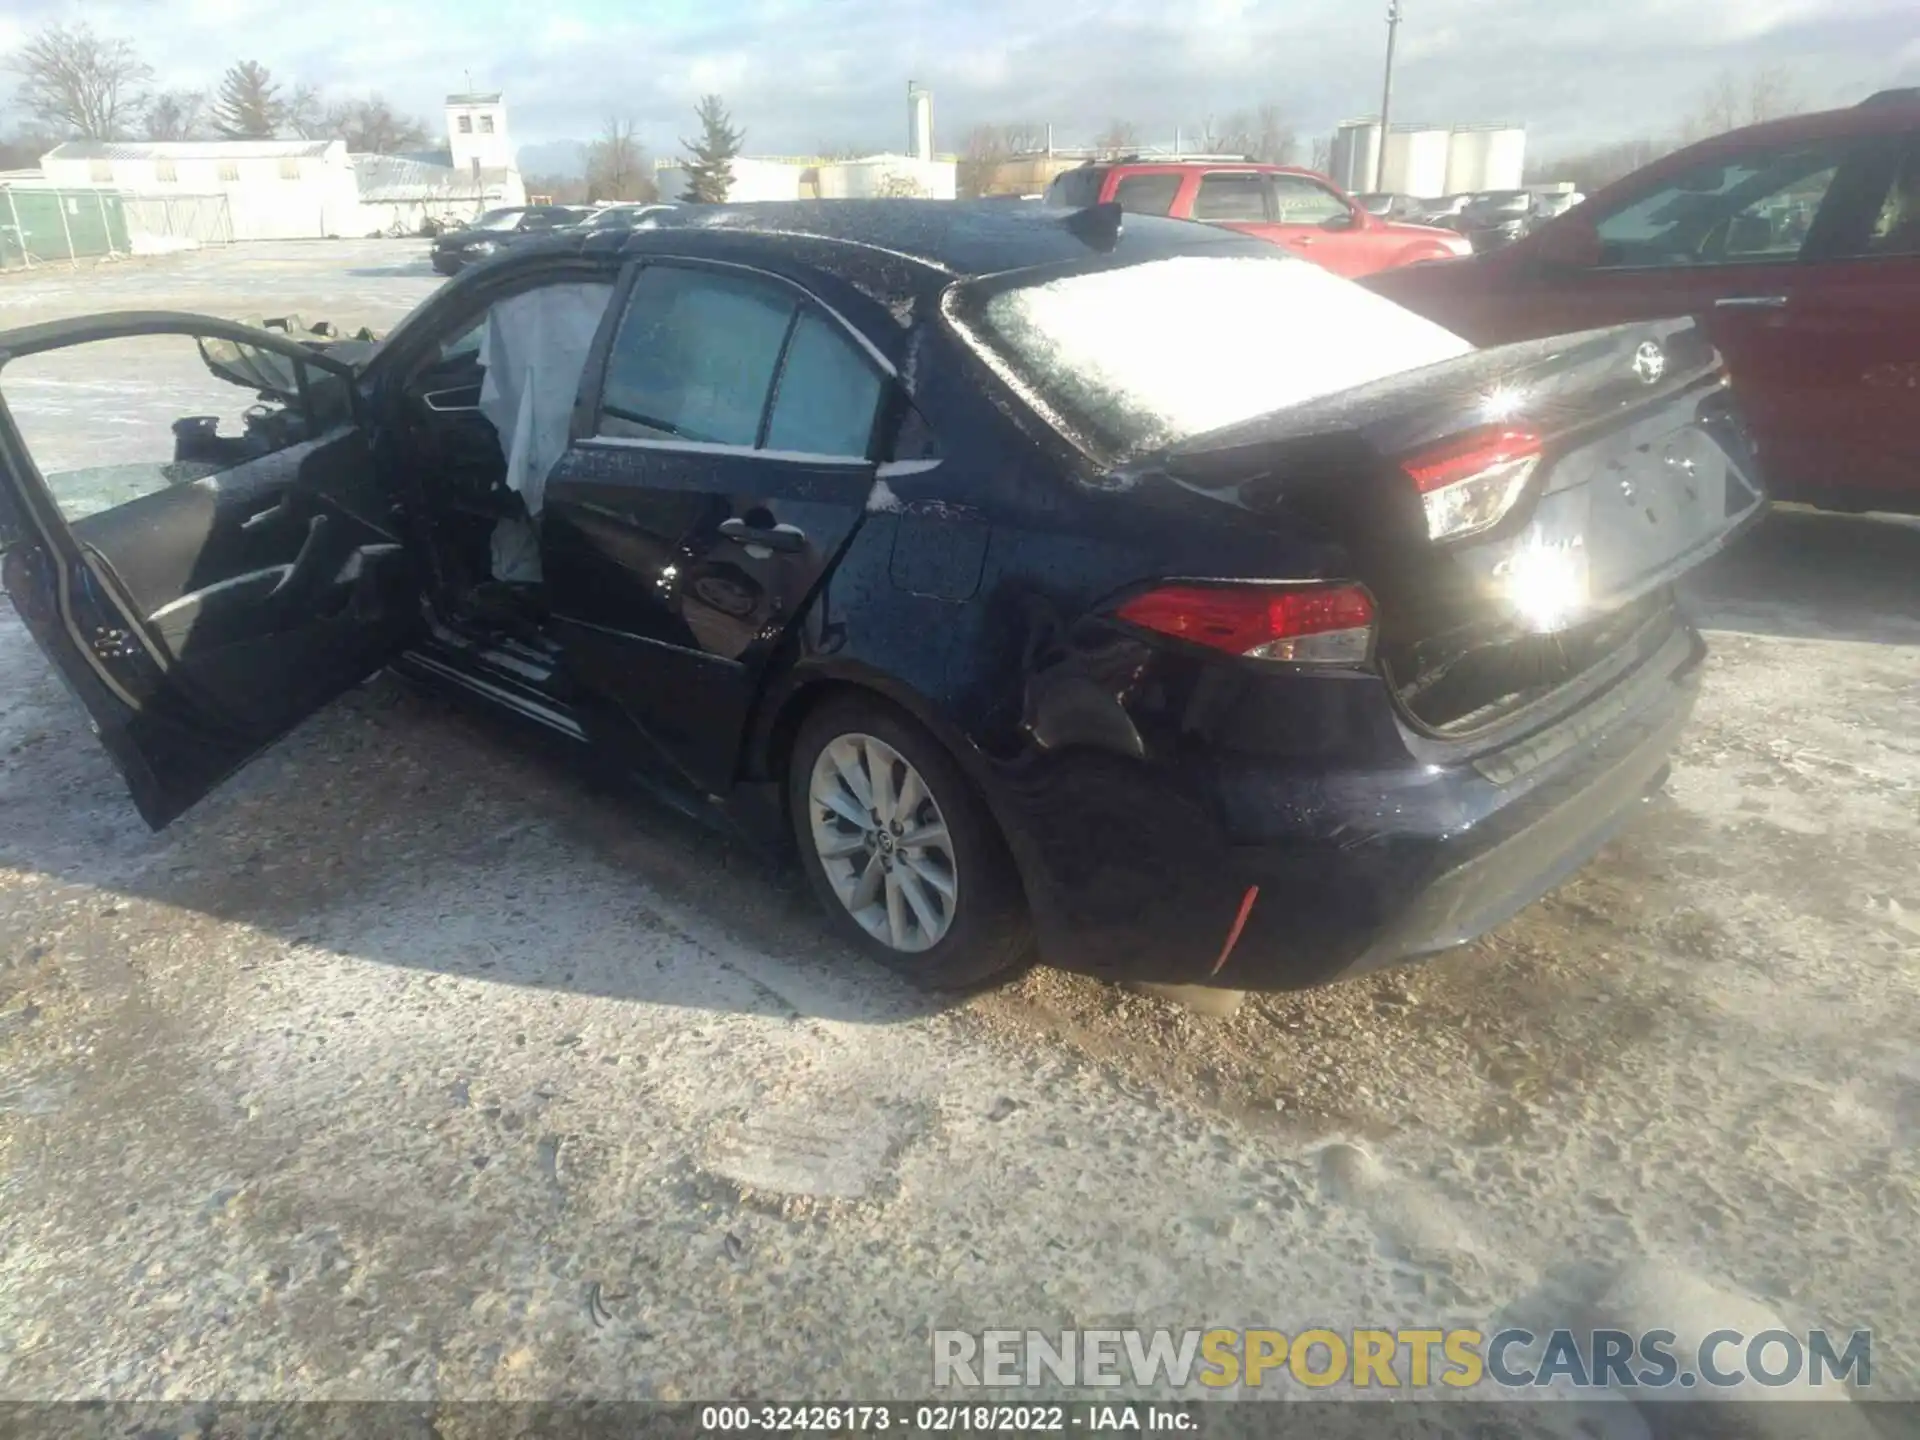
(1571, 244)
(1345, 221)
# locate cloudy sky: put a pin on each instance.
(800, 74)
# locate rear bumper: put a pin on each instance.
(1314, 877)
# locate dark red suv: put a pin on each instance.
(1796, 242)
(1297, 209)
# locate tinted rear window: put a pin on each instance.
(1077, 189)
(1147, 194)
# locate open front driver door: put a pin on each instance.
(193, 531)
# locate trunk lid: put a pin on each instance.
(1643, 472)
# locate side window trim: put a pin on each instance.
(709, 447)
(1842, 231)
(586, 427)
(779, 375)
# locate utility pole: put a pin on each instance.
(1386, 98)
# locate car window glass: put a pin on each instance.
(1076, 189)
(1298, 201)
(695, 355)
(187, 420)
(1896, 228)
(465, 343)
(1147, 194)
(1231, 197)
(827, 394)
(1746, 209)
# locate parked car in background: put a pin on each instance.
(498, 230)
(1496, 218)
(611, 218)
(1135, 587)
(1388, 206)
(1557, 202)
(1296, 209)
(1444, 212)
(1797, 243)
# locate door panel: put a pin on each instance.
(201, 592)
(1739, 241)
(1853, 326)
(726, 472)
(673, 576)
(1302, 211)
(1855, 330)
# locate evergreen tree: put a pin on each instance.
(710, 166)
(248, 104)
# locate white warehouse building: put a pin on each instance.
(305, 189)
(805, 178)
(1428, 161)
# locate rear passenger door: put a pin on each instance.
(1324, 226)
(724, 467)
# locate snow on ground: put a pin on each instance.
(409, 1065)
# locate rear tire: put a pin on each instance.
(900, 850)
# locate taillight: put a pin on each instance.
(1304, 624)
(1470, 481)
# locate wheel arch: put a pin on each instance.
(802, 692)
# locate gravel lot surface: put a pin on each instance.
(409, 1065)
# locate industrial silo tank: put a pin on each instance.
(1417, 159)
(1486, 157)
(1506, 158)
(1355, 154)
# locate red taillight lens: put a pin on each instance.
(1304, 624)
(1470, 481)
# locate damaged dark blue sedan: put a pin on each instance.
(1128, 590)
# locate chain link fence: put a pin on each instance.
(159, 223)
(48, 225)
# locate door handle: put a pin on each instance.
(1299, 240)
(787, 539)
(1751, 302)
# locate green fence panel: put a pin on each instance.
(41, 226)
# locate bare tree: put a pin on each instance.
(1771, 95)
(1119, 138)
(1728, 103)
(77, 83)
(373, 127)
(176, 115)
(1264, 135)
(23, 150)
(1593, 170)
(617, 168)
(1024, 137)
(840, 152)
(982, 154)
(303, 116)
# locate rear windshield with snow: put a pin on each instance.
(1131, 359)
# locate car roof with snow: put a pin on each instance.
(960, 239)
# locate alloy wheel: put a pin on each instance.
(883, 842)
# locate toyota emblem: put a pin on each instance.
(1649, 363)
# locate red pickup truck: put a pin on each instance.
(1297, 209)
